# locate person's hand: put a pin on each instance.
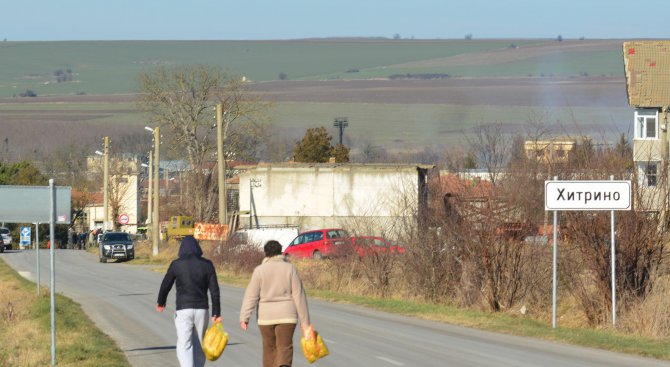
(160, 308)
(243, 325)
(307, 331)
(216, 319)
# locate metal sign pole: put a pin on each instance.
(555, 265)
(52, 238)
(613, 256)
(37, 254)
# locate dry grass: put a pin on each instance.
(650, 317)
(25, 329)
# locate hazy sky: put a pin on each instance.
(289, 19)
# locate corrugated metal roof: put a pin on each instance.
(647, 65)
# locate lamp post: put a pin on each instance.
(105, 185)
(221, 165)
(155, 224)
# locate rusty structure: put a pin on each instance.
(647, 68)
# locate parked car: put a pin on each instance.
(367, 245)
(319, 243)
(6, 235)
(2, 245)
(116, 245)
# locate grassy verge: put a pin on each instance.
(25, 329)
(503, 323)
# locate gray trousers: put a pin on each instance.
(191, 324)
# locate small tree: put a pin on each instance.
(341, 153)
(314, 146)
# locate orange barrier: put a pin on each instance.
(210, 231)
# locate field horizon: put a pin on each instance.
(424, 93)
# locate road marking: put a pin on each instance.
(390, 361)
(329, 341)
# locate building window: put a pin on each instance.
(648, 173)
(646, 126)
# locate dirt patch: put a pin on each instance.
(540, 92)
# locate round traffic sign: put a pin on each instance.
(124, 219)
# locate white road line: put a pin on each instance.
(390, 361)
(329, 341)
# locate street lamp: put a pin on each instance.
(155, 224)
(105, 189)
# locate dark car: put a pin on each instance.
(6, 237)
(2, 245)
(116, 245)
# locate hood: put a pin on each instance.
(189, 246)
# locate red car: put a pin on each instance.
(318, 244)
(366, 245)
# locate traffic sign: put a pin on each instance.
(24, 236)
(587, 195)
(124, 219)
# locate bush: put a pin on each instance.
(28, 93)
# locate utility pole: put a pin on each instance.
(149, 197)
(155, 225)
(341, 123)
(105, 185)
(221, 165)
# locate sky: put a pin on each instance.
(61, 20)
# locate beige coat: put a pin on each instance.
(277, 294)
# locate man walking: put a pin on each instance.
(194, 275)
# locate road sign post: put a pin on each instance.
(587, 195)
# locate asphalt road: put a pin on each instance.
(120, 298)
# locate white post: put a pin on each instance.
(555, 265)
(613, 257)
(37, 254)
(52, 238)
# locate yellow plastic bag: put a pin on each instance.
(314, 347)
(215, 341)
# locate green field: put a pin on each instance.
(111, 67)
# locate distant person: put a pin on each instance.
(276, 292)
(194, 275)
(82, 240)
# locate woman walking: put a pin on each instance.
(276, 292)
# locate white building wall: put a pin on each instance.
(318, 196)
(130, 205)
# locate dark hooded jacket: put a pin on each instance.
(194, 275)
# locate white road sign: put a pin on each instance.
(587, 195)
(24, 236)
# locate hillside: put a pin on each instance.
(110, 67)
(439, 90)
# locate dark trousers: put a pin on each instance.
(277, 344)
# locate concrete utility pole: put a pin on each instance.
(150, 198)
(106, 181)
(341, 123)
(155, 225)
(221, 165)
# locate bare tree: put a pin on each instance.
(182, 99)
(491, 148)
